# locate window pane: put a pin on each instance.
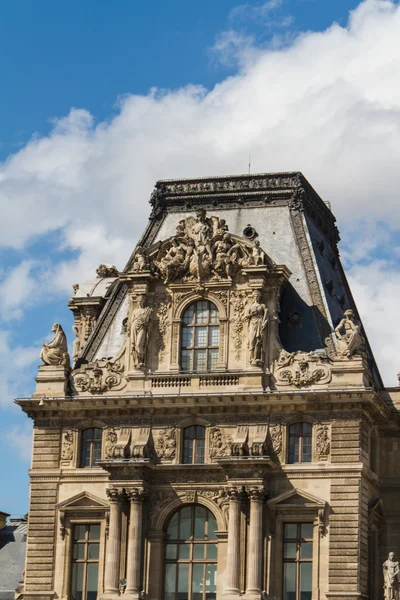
(78, 551)
(187, 336)
(188, 314)
(185, 522)
(198, 552)
(85, 454)
(289, 581)
(79, 532)
(211, 581)
(171, 551)
(170, 581)
(295, 429)
(212, 359)
(291, 531)
(213, 336)
(307, 428)
(200, 360)
(201, 336)
(200, 523)
(306, 550)
(184, 551)
(87, 434)
(183, 581)
(187, 360)
(212, 527)
(305, 581)
(198, 581)
(306, 449)
(94, 532)
(92, 577)
(77, 581)
(96, 452)
(213, 314)
(293, 450)
(201, 313)
(211, 550)
(172, 531)
(199, 458)
(307, 530)
(188, 451)
(290, 550)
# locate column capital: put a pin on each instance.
(256, 493)
(235, 494)
(136, 495)
(115, 495)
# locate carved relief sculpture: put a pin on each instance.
(140, 332)
(256, 317)
(276, 439)
(302, 369)
(350, 339)
(219, 443)
(140, 261)
(391, 578)
(111, 441)
(67, 451)
(99, 377)
(323, 443)
(76, 345)
(166, 443)
(55, 353)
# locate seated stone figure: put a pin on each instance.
(55, 353)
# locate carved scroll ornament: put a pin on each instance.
(99, 377)
(302, 369)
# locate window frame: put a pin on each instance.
(192, 542)
(298, 560)
(300, 437)
(194, 446)
(194, 326)
(86, 560)
(81, 446)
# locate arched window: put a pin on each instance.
(200, 337)
(193, 445)
(300, 443)
(90, 447)
(191, 555)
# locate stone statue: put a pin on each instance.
(257, 256)
(140, 262)
(256, 317)
(391, 578)
(76, 346)
(55, 353)
(351, 341)
(140, 331)
(105, 270)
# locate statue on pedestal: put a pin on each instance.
(55, 353)
(351, 341)
(256, 316)
(139, 332)
(391, 578)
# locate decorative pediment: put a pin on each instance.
(201, 249)
(83, 500)
(296, 498)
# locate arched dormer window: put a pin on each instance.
(90, 453)
(200, 335)
(300, 443)
(193, 445)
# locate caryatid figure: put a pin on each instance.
(391, 577)
(140, 331)
(256, 316)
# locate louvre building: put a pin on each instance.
(219, 428)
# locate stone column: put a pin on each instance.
(233, 547)
(111, 578)
(133, 563)
(254, 555)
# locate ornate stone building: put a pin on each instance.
(221, 429)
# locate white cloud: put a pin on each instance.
(328, 105)
(20, 438)
(14, 362)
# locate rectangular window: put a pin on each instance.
(297, 561)
(85, 562)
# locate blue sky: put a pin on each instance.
(99, 100)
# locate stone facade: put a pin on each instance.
(224, 372)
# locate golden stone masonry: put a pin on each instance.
(221, 429)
